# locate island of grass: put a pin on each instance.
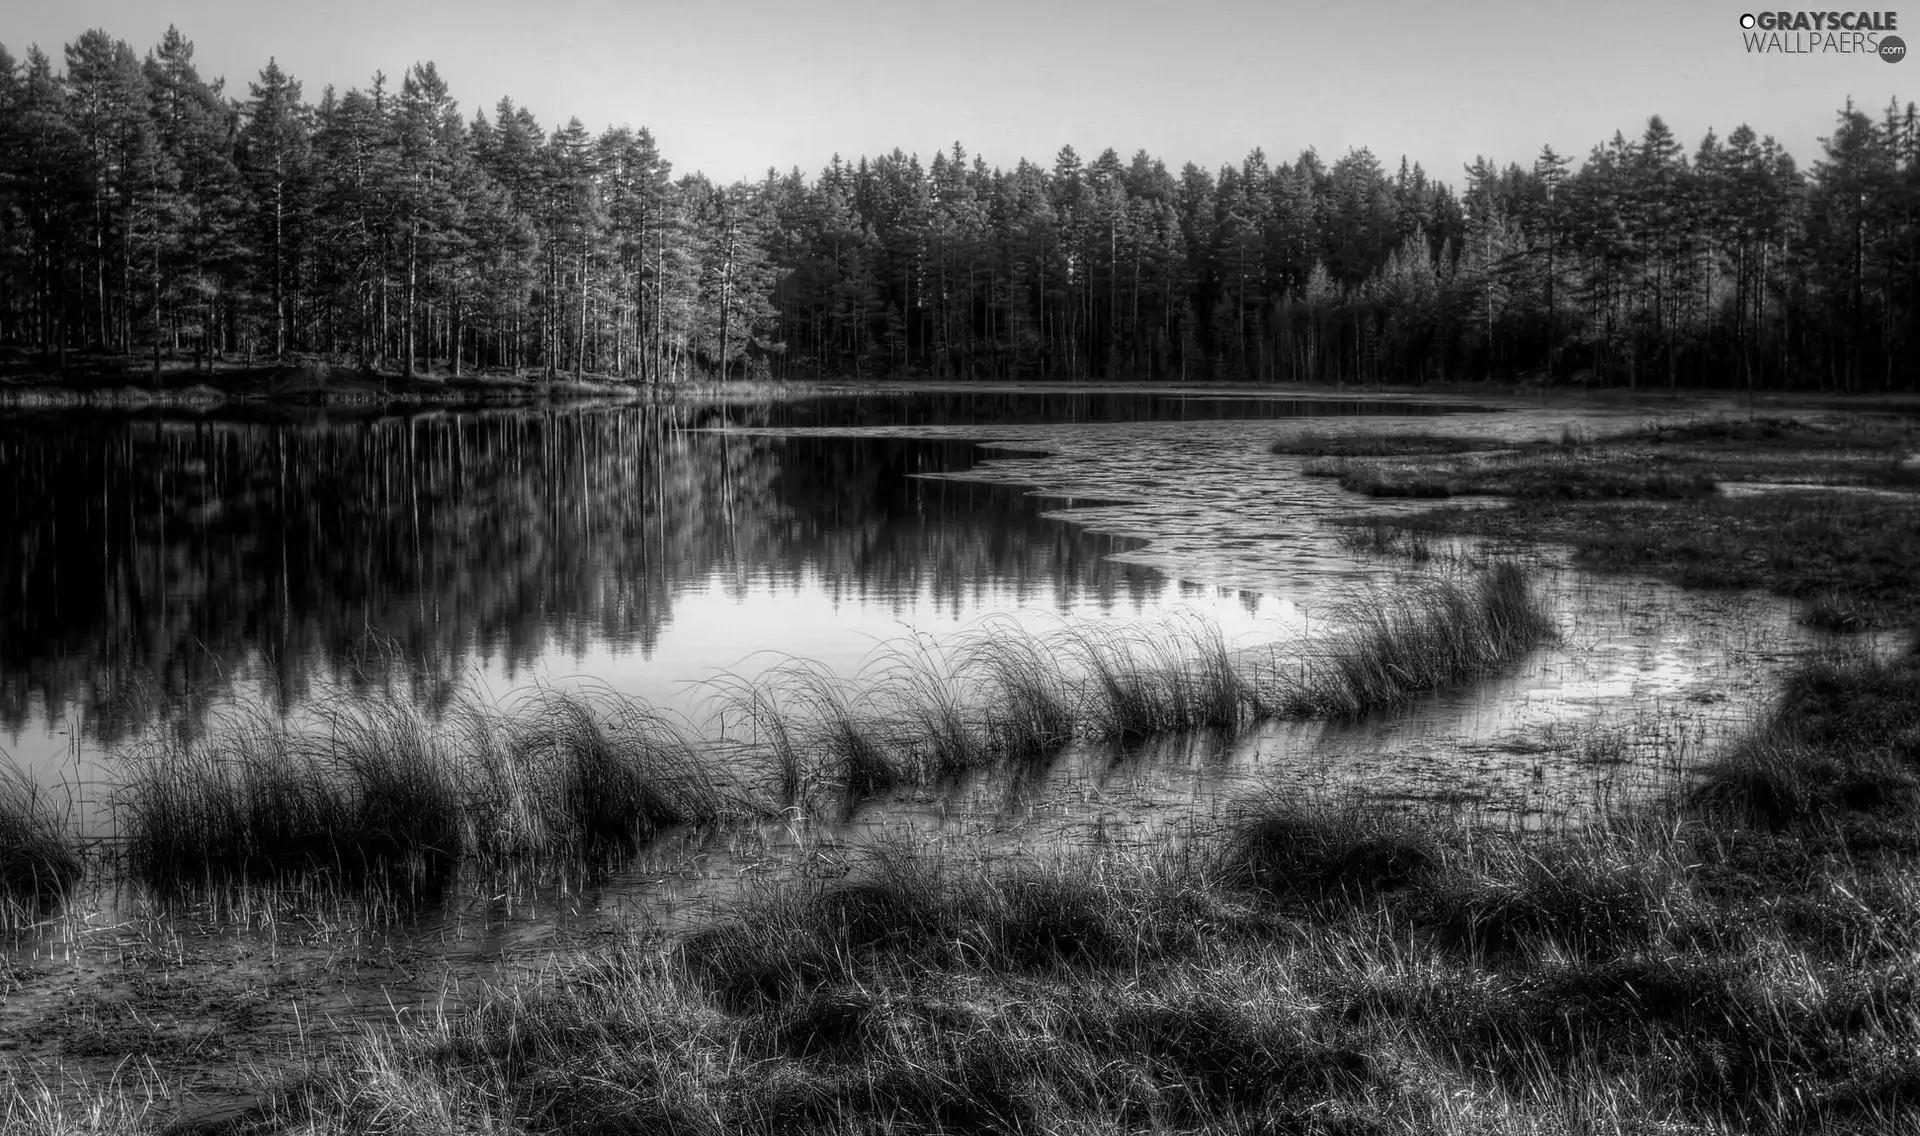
(1823, 511)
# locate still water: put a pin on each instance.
(161, 564)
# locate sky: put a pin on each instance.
(732, 87)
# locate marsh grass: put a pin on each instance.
(1648, 500)
(817, 729)
(1379, 443)
(1869, 434)
(1838, 760)
(1423, 635)
(927, 713)
(1176, 678)
(1660, 461)
(1569, 474)
(1316, 965)
(1030, 698)
(371, 792)
(1007, 696)
(259, 801)
(601, 775)
(40, 861)
(32, 1107)
(1852, 557)
(1322, 967)
(1325, 850)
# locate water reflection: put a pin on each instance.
(156, 559)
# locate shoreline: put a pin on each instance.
(300, 387)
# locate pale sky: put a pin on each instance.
(731, 88)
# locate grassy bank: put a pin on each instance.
(1737, 956)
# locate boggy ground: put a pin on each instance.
(1822, 510)
(1738, 956)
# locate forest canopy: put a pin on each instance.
(146, 210)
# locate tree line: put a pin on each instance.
(146, 211)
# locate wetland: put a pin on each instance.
(960, 759)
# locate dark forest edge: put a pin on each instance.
(147, 215)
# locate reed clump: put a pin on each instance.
(40, 860)
(371, 792)
(1424, 635)
(575, 774)
(1177, 678)
(363, 799)
(1029, 697)
(1838, 762)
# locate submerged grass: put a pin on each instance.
(1378, 537)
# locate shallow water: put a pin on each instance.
(178, 563)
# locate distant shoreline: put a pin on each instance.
(118, 384)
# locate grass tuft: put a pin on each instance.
(1319, 851)
(1429, 634)
(605, 775)
(1030, 699)
(363, 801)
(39, 862)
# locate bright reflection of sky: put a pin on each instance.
(719, 627)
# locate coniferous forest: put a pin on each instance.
(148, 212)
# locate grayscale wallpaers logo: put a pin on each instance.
(1823, 33)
